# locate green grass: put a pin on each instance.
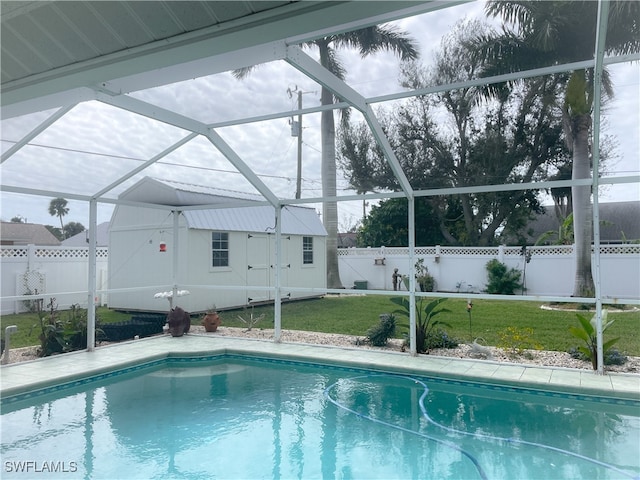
(355, 314)
(29, 325)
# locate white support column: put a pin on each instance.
(601, 32)
(174, 253)
(412, 278)
(91, 287)
(277, 302)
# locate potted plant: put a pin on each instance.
(423, 277)
(211, 320)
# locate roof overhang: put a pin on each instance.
(247, 40)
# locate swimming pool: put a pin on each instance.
(230, 416)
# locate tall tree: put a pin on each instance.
(455, 139)
(367, 41)
(73, 228)
(58, 208)
(387, 224)
(549, 32)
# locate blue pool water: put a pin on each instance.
(235, 418)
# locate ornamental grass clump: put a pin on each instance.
(379, 334)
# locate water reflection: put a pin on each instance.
(248, 420)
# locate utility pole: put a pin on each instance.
(299, 177)
(296, 131)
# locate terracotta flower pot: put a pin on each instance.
(211, 322)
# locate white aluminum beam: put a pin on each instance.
(153, 112)
(146, 164)
(601, 35)
(46, 102)
(401, 10)
(536, 72)
(307, 65)
(242, 167)
(138, 66)
(35, 132)
(383, 141)
(203, 67)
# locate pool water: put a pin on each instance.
(239, 418)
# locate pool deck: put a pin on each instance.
(26, 376)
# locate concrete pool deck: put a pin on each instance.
(26, 376)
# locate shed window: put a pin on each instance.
(220, 249)
(307, 250)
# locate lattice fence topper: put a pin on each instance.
(13, 252)
(544, 250)
(52, 252)
(82, 252)
(633, 249)
(468, 250)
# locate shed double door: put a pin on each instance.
(261, 255)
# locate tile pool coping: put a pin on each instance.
(21, 378)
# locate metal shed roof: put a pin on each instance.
(295, 220)
(171, 193)
(254, 217)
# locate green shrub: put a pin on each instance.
(502, 280)
(425, 280)
(440, 339)
(587, 333)
(58, 335)
(379, 334)
(425, 322)
(612, 357)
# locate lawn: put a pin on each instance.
(355, 314)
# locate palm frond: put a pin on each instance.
(244, 72)
(379, 38)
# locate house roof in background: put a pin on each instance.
(347, 239)
(82, 239)
(619, 221)
(26, 233)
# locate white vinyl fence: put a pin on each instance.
(549, 272)
(63, 271)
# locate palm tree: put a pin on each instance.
(368, 41)
(551, 32)
(58, 208)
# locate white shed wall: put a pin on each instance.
(136, 262)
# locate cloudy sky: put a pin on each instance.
(95, 144)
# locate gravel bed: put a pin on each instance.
(529, 357)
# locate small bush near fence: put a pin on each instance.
(502, 280)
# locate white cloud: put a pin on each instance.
(119, 140)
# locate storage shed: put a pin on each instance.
(224, 255)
